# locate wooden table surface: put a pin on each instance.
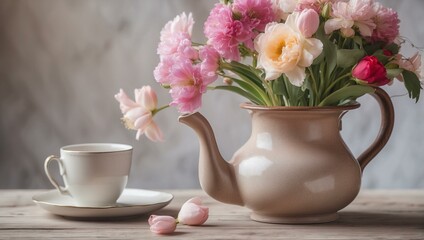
(373, 215)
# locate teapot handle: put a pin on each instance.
(387, 123)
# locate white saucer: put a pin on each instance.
(132, 202)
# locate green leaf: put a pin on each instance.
(348, 92)
(329, 51)
(379, 54)
(319, 59)
(241, 92)
(349, 57)
(372, 48)
(393, 72)
(393, 47)
(412, 84)
(278, 86)
(358, 40)
(248, 71)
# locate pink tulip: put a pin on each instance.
(308, 22)
(162, 224)
(193, 213)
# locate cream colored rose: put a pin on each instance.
(283, 49)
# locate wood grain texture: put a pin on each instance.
(375, 214)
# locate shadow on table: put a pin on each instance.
(126, 219)
(370, 219)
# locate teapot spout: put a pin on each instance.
(216, 175)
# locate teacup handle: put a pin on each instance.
(387, 123)
(61, 189)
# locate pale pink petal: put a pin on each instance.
(333, 24)
(347, 32)
(313, 46)
(153, 132)
(308, 22)
(365, 29)
(135, 113)
(306, 59)
(193, 213)
(143, 121)
(296, 76)
(125, 103)
(270, 74)
(195, 200)
(146, 97)
(162, 224)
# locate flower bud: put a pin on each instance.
(193, 213)
(162, 224)
(228, 81)
(308, 22)
(326, 10)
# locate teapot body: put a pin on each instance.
(295, 167)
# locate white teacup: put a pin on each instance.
(95, 174)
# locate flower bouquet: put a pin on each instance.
(277, 53)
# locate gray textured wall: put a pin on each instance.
(62, 61)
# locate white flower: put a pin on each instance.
(283, 49)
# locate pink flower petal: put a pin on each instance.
(162, 224)
(193, 213)
(153, 132)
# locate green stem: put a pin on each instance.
(270, 92)
(156, 110)
(314, 85)
(327, 91)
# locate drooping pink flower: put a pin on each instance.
(193, 213)
(174, 32)
(210, 63)
(187, 86)
(387, 24)
(308, 22)
(345, 15)
(138, 114)
(412, 64)
(225, 33)
(162, 224)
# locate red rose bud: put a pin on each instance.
(370, 71)
(387, 53)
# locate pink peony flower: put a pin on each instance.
(193, 213)
(345, 15)
(256, 14)
(138, 115)
(174, 32)
(225, 33)
(387, 25)
(162, 224)
(308, 22)
(210, 63)
(187, 86)
(311, 4)
(162, 72)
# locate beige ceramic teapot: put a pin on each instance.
(295, 167)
